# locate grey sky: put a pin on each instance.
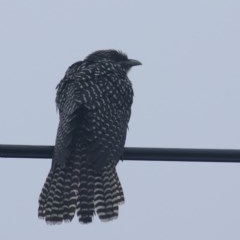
(186, 95)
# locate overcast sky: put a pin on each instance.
(187, 94)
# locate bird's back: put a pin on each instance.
(96, 100)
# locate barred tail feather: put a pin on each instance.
(67, 213)
(71, 198)
(108, 194)
(44, 195)
(85, 205)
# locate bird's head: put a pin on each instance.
(114, 56)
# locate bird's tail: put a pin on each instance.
(78, 188)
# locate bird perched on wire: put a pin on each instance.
(94, 101)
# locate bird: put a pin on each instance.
(94, 101)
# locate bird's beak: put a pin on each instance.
(133, 62)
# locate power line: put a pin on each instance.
(134, 153)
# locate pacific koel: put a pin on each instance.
(94, 101)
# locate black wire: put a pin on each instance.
(134, 153)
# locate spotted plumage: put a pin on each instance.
(94, 101)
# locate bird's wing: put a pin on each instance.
(75, 94)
